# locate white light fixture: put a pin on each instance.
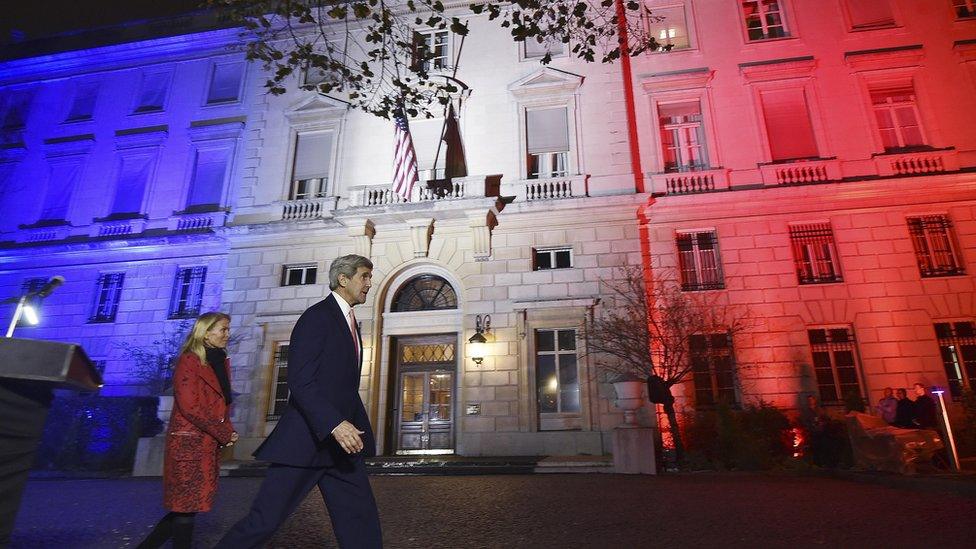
(30, 315)
(477, 344)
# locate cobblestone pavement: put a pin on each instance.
(597, 510)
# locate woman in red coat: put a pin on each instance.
(198, 427)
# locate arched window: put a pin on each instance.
(425, 293)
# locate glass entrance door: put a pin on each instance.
(426, 419)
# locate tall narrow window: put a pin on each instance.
(814, 253)
(964, 8)
(431, 50)
(152, 94)
(279, 376)
(15, 110)
(557, 374)
(669, 27)
(83, 102)
(835, 363)
(207, 183)
(130, 189)
(935, 247)
(788, 125)
(298, 275)
(957, 345)
(896, 113)
(108, 290)
(187, 292)
(713, 368)
(61, 185)
(547, 138)
(699, 262)
(870, 14)
(682, 136)
(313, 160)
(225, 83)
(764, 19)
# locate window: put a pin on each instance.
(15, 110)
(964, 8)
(935, 249)
(431, 50)
(547, 139)
(699, 261)
(896, 114)
(83, 102)
(957, 345)
(279, 377)
(682, 136)
(299, 275)
(669, 26)
(557, 375)
(533, 49)
(870, 14)
(764, 19)
(424, 293)
(713, 369)
(835, 363)
(108, 290)
(313, 159)
(60, 186)
(552, 258)
(207, 183)
(814, 253)
(788, 127)
(187, 292)
(152, 94)
(130, 189)
(225, 83)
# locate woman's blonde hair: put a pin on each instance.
(194, 339)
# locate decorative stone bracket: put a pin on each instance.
(481, 225)
(362, 234)
(421, 229)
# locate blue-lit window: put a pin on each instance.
(14, 109)
(187, 292)
(130, 186)
(83, 103)
(61, 184)
(108, 290)
(207, 184)
(225, 83)
(152, 93)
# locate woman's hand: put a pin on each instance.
(233, 438)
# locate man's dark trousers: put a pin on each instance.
(344, 488)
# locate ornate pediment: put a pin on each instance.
(546, 81)
(316, 108)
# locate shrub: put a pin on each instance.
(756, 437)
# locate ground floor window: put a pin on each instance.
(279, 381)
(557, 371)
(957, 345)
(835, 363)
(713, 369)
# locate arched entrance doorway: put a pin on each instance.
(424, 370)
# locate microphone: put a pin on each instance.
(46, 289)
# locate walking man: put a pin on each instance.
(324, 434)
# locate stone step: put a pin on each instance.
(453, 465)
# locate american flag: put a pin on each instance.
(404, 157)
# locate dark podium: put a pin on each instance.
(30, 370)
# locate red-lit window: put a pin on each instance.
(788, 126)
(935, 248)
(870, 14)
(835, 363)
(964, 8)
(699, 261)
(957, 344)
(713, 368)
(764, 19)
(682, 137)
(814, 253)
(896, 113)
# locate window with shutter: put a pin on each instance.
(313, 160)
(225, 83)
(130, 189)
(788, 125)
(547, 142)
(814, 253)
(83, 102)
(60, 187)
(152, 94)
(870, 14)
(207, 183)
(935, 248)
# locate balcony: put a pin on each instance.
(458, 188)
(308, 208)
(800, 172)
(117, 226)
(553, 188)
(196, 221)
(689, 182)
(917, 162)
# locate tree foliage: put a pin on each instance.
(368, 52)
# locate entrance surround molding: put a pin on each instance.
(412, 323)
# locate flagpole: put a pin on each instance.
(437, 154)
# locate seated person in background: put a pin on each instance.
(887, 406)
(904, 411)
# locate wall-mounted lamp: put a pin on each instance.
(477, 344)
(25, 309)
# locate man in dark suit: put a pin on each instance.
(324, 434)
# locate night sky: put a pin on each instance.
(42, 18)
